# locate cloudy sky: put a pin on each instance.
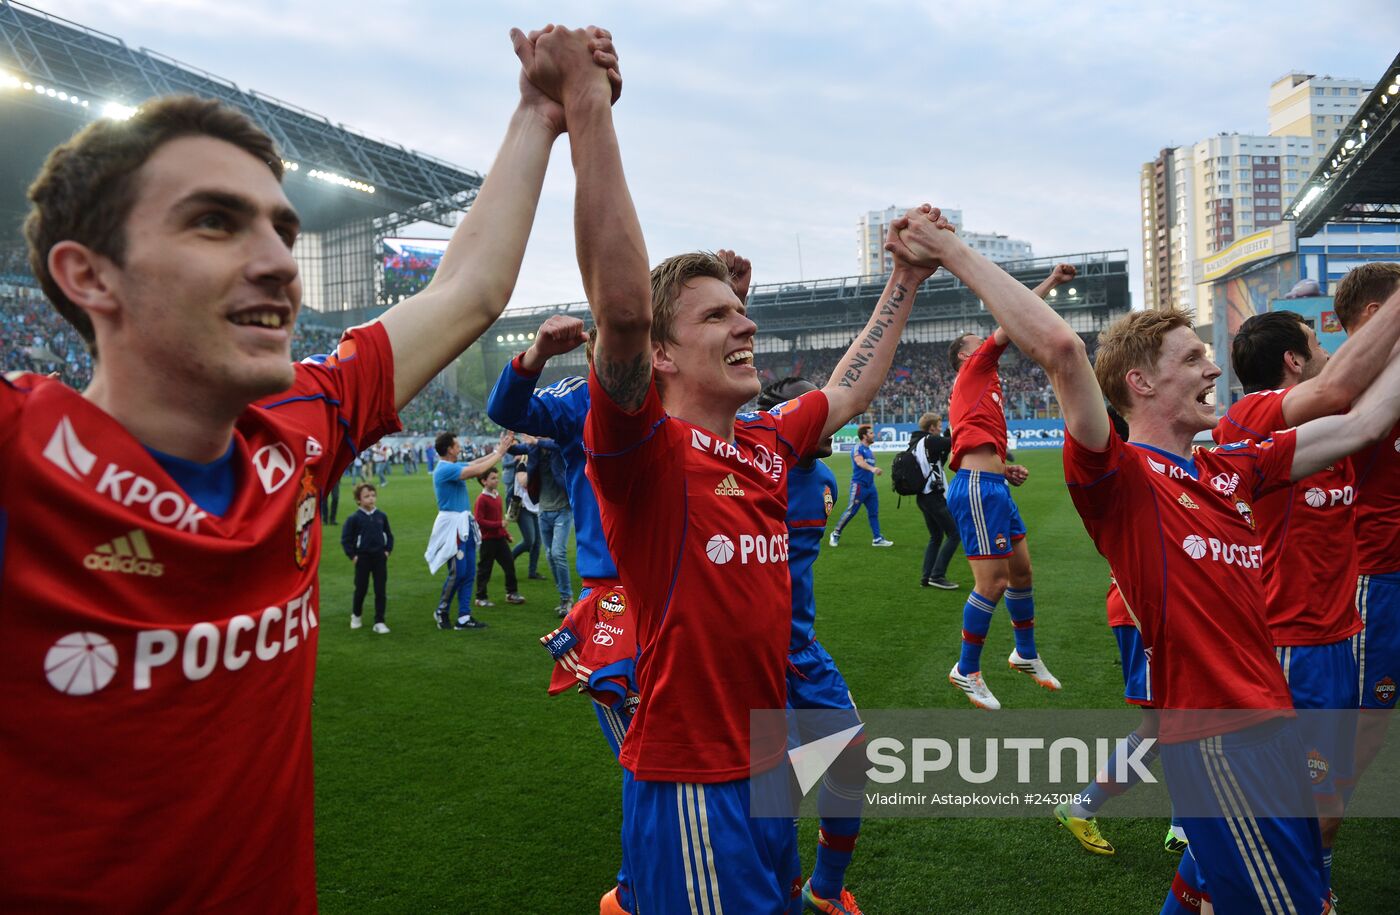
(753, 125)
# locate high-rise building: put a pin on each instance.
(875, 260)
(1197, 200)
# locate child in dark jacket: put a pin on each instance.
(368, 541)
(495, 540)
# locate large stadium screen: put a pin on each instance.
(409, 263)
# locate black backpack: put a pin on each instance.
(905, 475)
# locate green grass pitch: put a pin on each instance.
(447, 781)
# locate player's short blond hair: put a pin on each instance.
(1134, 341)
(668, 278)
(1361, 286)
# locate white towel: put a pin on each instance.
(449, 530)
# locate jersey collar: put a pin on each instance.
(1187, 465)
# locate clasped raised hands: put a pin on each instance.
(563, 63)
(921, 239)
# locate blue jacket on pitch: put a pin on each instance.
(557, 412)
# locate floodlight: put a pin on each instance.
(117, 112)
(500, 339)
(1073, 291)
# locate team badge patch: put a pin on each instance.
(1245, 511)
(1001, 542)
(308, 501)
(828, 499)
(1384, 690)
(612, 605)
(1318, 767)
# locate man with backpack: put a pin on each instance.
(924, 469)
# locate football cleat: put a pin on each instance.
(975, 688)
(1175, 842)
(1034, 668)
(1086, 831)
(610, 904)
(845, 904)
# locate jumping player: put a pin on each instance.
(979, 497)
(1289, 380)
(863, 491)
(1194, 579)
(815, 688)
(693, 506)
(153, 707)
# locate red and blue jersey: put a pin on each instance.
(811, 494)
(558, 412)
(1378, 506)
(1182, 541)
(975, 410)
(157, 661)
(697, 525)
(1309, 536)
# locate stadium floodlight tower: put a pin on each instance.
(1359, 179)
(351, 191)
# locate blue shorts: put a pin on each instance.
(695, 848)
(987, 517)
(1188, 888)
(1378, 645)
(815, 686)
(1249, 862)
(1137, 670)
(1324, 677)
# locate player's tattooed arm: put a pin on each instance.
(625, 380)
(859, 373)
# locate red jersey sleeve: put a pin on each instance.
(987, 356)
(1273, 465)
(801, 420)
(356, 382)
(1093, 477)
(617, 441)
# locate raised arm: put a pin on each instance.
(612, 254)
(859, 373)
(1027, 321)
(1330, 438)
(1351, 371)
(482, 261)
(484, 463)
(512, 404)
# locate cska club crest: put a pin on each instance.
(612, 605)
(1245, 511)
(1384, 691)
(308, 507)
(1318, 767)
(828, 501)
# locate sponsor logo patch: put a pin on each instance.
(729, 487)
(80, 663)
(1185, 500)
(720, 549)
(129, 554)
(1225, 485)
(274, 465)
(67, 453)
(603, 638)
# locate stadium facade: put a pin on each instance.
(352, 191)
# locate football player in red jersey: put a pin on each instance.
(155, 693)
(1289, 379)
(1194, 578)
(693, 504)
(1360, 298)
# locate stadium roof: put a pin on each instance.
(56, 75)
(793, 308)
(1359, 179)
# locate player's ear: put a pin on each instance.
(86, 278)
(661, 361)
(1139, 383)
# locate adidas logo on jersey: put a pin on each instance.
(728, 487)
(129, 554)
(1184, 499)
